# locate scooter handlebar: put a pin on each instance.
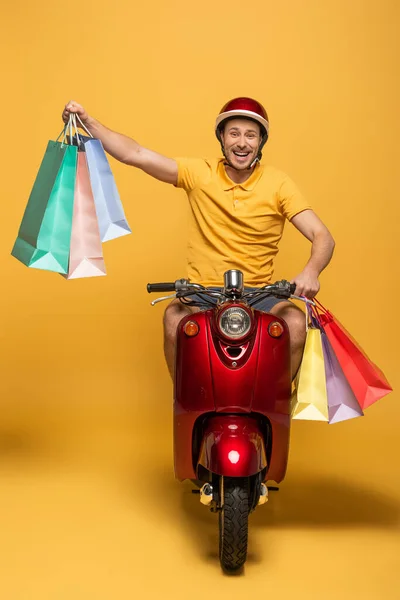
(161, 287)
(283, 287)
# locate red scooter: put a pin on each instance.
(232, 391)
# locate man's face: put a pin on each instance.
(241, 139)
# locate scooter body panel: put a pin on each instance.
(207, 382)
(232, 446)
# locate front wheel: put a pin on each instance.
(233, 522)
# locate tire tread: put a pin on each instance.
(235, 515)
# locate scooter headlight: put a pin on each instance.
(234, 322)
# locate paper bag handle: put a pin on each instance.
(82, 125)
(69, 126)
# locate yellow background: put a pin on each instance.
(88, 504)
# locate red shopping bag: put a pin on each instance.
(366, 380)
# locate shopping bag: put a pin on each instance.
(110, 212)
(366, 380)
(43, 240)
(342, 403)
(310, 400)
(86, 255)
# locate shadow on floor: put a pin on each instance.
(301, 502)
(21, 445)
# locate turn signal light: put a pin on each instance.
(275, 329)
(191, 328)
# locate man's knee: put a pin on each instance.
(173, 314)
(296, 321)
(298, 326)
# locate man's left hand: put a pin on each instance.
(307, 284)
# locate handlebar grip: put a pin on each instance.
(292, 288)
(160, 287)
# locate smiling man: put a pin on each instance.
(238, 210)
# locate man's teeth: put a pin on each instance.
(241, 153)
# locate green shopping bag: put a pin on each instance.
(44, 236)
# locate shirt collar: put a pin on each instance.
(247, 185)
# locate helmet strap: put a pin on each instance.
(257, 159)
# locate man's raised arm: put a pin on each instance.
(125, 149)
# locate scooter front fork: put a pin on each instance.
(207, 494)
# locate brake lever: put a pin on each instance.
(162, 299)
(303, 299)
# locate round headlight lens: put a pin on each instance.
(234, 322)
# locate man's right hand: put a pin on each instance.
(75, 108)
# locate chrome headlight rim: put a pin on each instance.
(242, 336)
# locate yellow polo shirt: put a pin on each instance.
(235, 225)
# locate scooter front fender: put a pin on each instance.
(232, 446)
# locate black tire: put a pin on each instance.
(233, 522)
